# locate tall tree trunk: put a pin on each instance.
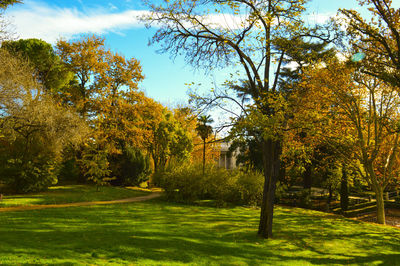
(344, 190)
(204, 156)
(380, 206)
(307, 177)
(272, 150)
(378, 189)
(155, 161)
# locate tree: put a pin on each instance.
(187, 118)
(250, 40)
(85, 58)
(344, 190)
(378, 39)
(6, 3)
(204, 130)
(114, 110)
(106, 95)
(368, 114)
(49, 70)
(34, 128)
(134, 166)
(170, 140)
(96, 165)
(5, 31)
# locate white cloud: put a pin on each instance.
(38, 20)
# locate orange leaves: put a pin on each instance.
(107, 94)
(360, 118)
(118, 72)
(83, 56)
(129, 119)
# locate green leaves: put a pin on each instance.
(49, 69)
(96, 165)
(203, 128)
(35, 129)
(170, 140)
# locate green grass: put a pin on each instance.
(155, 232)
(69, 194)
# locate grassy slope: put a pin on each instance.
(162, 233)
(68, 194)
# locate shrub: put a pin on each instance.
(249, 186)
(29, 176)
(69, 171)
(280, 192)
(186, 183)
(132, 167)
(96, 166)
(305, 198)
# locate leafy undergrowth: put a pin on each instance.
(156, 232)
(69, 194)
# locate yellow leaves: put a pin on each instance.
(107, 90)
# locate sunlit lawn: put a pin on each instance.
(68, 194)
(155, 232)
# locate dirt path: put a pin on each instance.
(78, 204)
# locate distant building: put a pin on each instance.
(227, 161)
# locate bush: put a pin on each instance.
(186, 183)
(132, 167)
(69, 171)
(95, 165)
(305, 198)
(29, 176)
(249, 186)
(280, 192)
(34, 128)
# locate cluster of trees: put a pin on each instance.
(75, 112)
(322, 112)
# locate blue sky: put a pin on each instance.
(115, 20)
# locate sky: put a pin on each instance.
(165, 78)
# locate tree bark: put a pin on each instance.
(378, 189)
(272, 150)
(380, 206)
(155, 161)
(344, 190)
(307, 176)
(204, 156)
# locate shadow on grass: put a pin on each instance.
(163, 233)
(70, 194)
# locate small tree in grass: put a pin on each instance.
(204, 130)
(96, 166)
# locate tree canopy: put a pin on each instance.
(256, 34)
